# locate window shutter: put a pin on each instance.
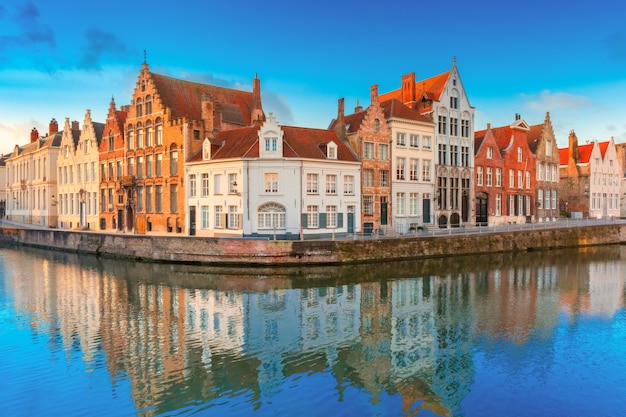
(322, 220)
(303, 221)
(339, 219)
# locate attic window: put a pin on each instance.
(331, 151)
(196, 134)
(271, 144)
(454, 81)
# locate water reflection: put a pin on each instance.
(390, 339)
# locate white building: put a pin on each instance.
(412, 166)
(605, 181)
(77, 167)
(31, 182)
(273, 181)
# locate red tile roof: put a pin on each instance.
(584, 153)
(603, 147)
(534, 135)
(563, 156)
(394, 108)
(298, 142)
(184, 99)
(433, 87)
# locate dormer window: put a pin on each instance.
(331, 150)
(271, 144)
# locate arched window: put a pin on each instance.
(131, 136)
(271, 216)
(149, 134)
(148, 103)
(139, 135)
(138, 108)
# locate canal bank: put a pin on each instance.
(213, 251)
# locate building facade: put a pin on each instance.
(488, 183)
(369, 136)
(443, 99)
(412, 167)
(31, 189)
(542, 143)
(78, 182)
(274, 181)
(590, 179)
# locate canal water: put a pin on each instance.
(532, 334)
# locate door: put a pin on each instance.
(83, 217)
(383, 213)
(350, 219)
(192, 220)
(482, 218)
(426, 210)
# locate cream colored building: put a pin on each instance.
(31, 179)
(77, 168)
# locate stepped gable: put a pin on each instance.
(394, 108)
(184, 99)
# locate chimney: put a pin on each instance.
(358, 108)
(374, 94)
(517, 116)
(53, 127)
(257, 116)
(488, 126)
(34, 135)
(408, 88)
(208, 113)
(573, 146)
(340, 125)
(75, 125)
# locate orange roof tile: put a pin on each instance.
(584, 153)
(563, 156)
(433, 87)
(394, 108)
(603, 147)
(184, 99)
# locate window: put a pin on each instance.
(312, 217)
(426, 170)
(413, 169)
(78, 173)
(401, 139)
(348, 185)
(139, 138)
(400, 204)
(331, 216)
(548, 147)
(413, 204)
(540, 199)
(479, 176)
(234, 219)
(192, 185)
(131, 138)
(271, 144)
(442, 154)
(173, 162)
(331, 184)
(368, 204)
(217, 184)
(442, 125)
(465, 156)
(554, 176)
(173, 198)
(140, 199)
(232, 184)
(110, 199)
(454, 155)
(149, 141)
(312, 183)
(511, 178)
(368, 150)
(553, 199)
(400, 168)
(511, 206)
(454, 126)
(271, 216)
(489, 152)
(454, 102)
(103, 201)
(119, 169)
(498, 177)
(205, 217)
(519, 154)
(218, 217)
(149, 162)
(159, 164)
(204, 178)
(111, 142)
(159, 198)
(427, 142)
(149, 199)
(465, 128)
(159, 132)
(140, 167)
(415, 141)
(271, 182)
(332, 152)
(376, 125)
(138, 108)
(131, 167)
(368, 177)
(489, 176)
(384, 178)
(383, 152)
(520, 179)
(528, 180)
(498, 204)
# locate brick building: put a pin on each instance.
(368, 134)
(167, 123)
(518, 172)
(112, 197)
(488, 185)
(542, 143)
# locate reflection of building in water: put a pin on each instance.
(215, 320)
(597, 289)
(454, 324)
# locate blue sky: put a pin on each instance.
(58, 59)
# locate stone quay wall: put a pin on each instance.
(214, 251)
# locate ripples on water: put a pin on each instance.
(539, 334)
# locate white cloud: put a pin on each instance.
(554, 101)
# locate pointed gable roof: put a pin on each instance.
(603, 147)
(431, 88)
(584, 152)
(184, 99)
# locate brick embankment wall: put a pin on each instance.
(268, 252)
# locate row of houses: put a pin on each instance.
(186, 158)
